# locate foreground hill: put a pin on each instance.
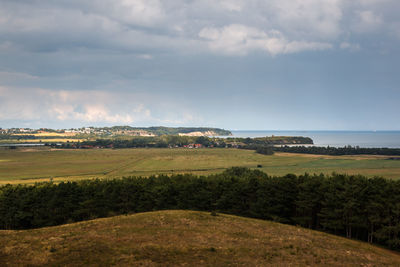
(168, 238)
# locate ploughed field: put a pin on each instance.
(29, 165)
(170, 238)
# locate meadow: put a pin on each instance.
(29, 165)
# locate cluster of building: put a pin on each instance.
(193, 146)
(76, 131)
(108, 131)
(133, 133)
(17, 130)
(87, 130)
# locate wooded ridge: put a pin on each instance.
(351, 206)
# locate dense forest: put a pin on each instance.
(154, 141)
(272, 140)
(352, 206)
(336, 151)
(16, 137)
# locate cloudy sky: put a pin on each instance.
(234, 64)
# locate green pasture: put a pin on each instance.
(28, 165)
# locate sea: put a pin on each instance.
(389, 139)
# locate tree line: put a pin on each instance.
(149, 142)
(181, 141)
(16, 137)
(352, 206)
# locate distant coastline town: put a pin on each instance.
(135, 137)
(118, 131)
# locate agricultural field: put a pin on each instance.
(29, 165)
(47, 134)
(172, 238)
(47, 140)
(41, 137)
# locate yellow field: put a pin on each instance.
(48, 134)
(50, 140)
(44, 140)
(47, 137)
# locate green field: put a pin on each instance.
(185, 238)
(28, 165)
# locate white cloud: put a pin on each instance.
(307, 18)
(137, 12)
(7, 76)
(239, 39)
(147, 27)
(85, 107)
(90, 113)
(349, 46)
(145, 56)
(15, 104)
(232, 5)
(367, 21)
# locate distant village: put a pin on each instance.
(77, 131)
(114, 137)
(118, 131)
(130, 137)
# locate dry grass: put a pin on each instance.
(352, 157)
(170, 238)
(29, 165)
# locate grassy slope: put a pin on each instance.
(42, 163)
(185, 237)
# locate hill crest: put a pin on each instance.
(178, 237)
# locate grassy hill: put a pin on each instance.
(167, 238)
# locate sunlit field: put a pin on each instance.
(29, 165)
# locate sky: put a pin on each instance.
(233, 64)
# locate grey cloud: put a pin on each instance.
(147, 27)
(178, 59)
(238, 39)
